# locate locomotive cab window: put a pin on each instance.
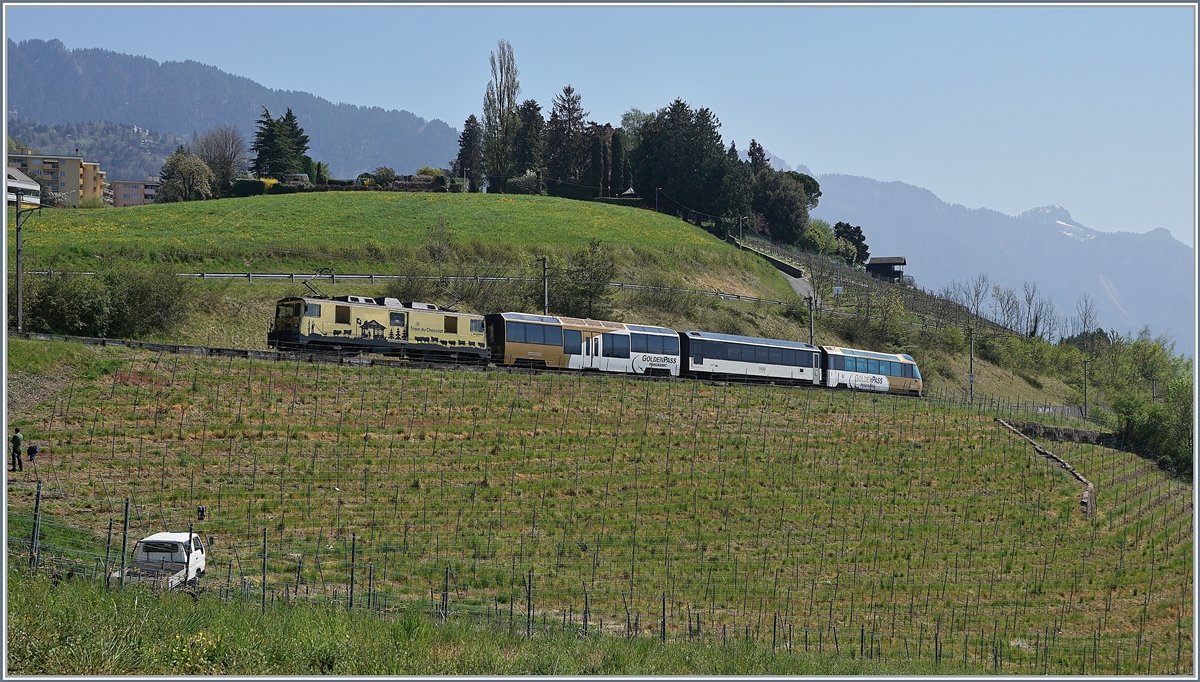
(450, 324)
(341, 314)
(312, 309)
(477, 326)
(396, 319)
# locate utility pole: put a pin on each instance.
(971, 371)
(22, 215)
(810, 320)
(545, 286)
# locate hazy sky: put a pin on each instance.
(1092, 108)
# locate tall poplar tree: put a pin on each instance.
(500, 116)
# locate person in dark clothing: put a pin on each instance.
(17, 441)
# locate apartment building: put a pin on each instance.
(134, 192)
(71, 176)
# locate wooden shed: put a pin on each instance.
(890, 268)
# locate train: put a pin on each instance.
(423, 332)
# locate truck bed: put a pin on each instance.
(167, 573)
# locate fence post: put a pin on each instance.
(264, 571)
(107, 552)
(124, 543)
(353, 557)
(37, 522)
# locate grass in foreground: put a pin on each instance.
(79, 628)
(925, 530)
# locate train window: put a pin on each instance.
(534, 333)
(872, 366)
(341, 314)
(638, 343)
(572, 342)
(312, 309)
(450, 324)
(553, 336)
(776, 356)
(616, 346)
(762, 355)
(654, 344)
(907, 371)
(916, 372)
(787, 356)
(477, 326)
(671, 345)
(396, 319)
(837, 362)
(732, 351)
(515, 332)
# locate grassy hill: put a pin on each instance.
(899, 531)
(435, 234)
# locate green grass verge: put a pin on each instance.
(79, 628)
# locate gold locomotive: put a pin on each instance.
(360, 324)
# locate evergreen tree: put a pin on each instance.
(619, 179)
(566, 140)
(469, 162)
(681, 152)
(779, 200)
(758, 158)
(598, 159)
(279, 146)
(529, 138)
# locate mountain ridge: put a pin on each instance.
(54, 85)
(1137, 279)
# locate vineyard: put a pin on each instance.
(805, 520)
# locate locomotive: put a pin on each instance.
(421, 331)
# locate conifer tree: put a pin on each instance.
(469, 162)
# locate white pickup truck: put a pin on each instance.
(166, 560)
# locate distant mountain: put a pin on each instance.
(1136, 279)
(124, 152)
(54, 85)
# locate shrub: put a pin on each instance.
(431, 171)
(282, 188)
(93, 202)
(126, 301)
(248, 187)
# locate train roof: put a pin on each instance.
(854, 352)
(712, 336)
(580, 322)
(381, 301)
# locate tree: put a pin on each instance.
(585, 291)
(619, 174)
(296, 139)
(317, 171)
(812, 189)
(681, 151)
(599, 159)
(632, 122)
(223, 150)
(529, 139)
(854, 235)
(469, 162)
(780, 200)
(500, 116)
(758, 158)
(279, 146)
(184, 178)
(566, 141)
(384, 176)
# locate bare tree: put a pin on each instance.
(223, 150)
(1085, 308)
(974, 294)
(1006, 307)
